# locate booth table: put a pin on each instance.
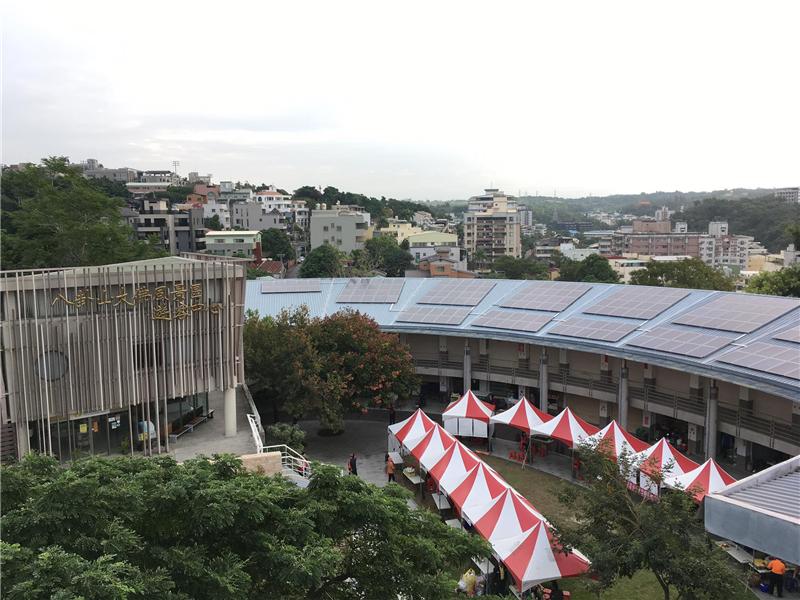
(735, 552)
(440, 500)
(454, 523)
(396, 458)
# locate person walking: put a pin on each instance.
(390, 468)
(776, 572)
(352, 464)
(391, 414)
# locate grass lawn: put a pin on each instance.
(542, 490)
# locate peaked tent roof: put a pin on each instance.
(409, 430)
(656, 458)
(705, 479)
(508, 515)
(453, 466)
(523, 415)
(469, 407)
(566, 427)
(431, 447)
(534, 557)
(614, 440)
(481, 485)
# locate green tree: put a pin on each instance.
(151, 528)
(308, 192)
(785, 282)
(593, 269)
(276, 244)
(621, 534)
(508, 267)
(53, 217)
(213, 223)
(690, 273)
(322, 261)
(387, 256)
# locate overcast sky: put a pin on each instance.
(428, 100)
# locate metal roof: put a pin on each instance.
(780, 495)
(325, 302)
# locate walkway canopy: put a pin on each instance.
(468, 416)
(662, 458)
(613, 440)
(523, 415)
(705, 479)
(481, 485)
(412, 429)
(432, 447)
(566, 427)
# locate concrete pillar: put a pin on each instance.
(467, 368)
(230, 412)
(483, 386)
(563, 361)
(649, 375)
(605, 369)
(622, 398)
(521, 391)
(544, 382)
(711, 422)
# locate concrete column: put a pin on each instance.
(622, 398)
(563, 361)
(649, 375)
(605, 370)
(521, 391)
(544, 382)
(230, 412)
(483, 386)
(467, 368)
(711, 422)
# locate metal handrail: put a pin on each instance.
(291, 459)
(251, 419)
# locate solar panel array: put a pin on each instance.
(546, 295)
(372, 291)
(518, 321)
(790, 335)
(769, 358)
(290, 286)
(739, 313)
(459, 292)
(435, 315)
(637, 302)
(679, 341)
(603, 330)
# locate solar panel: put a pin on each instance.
(546, 295)
(460, 292)
(372, 291)
(637, 302)
(604, 330)
(769, 358)
(680, 341)
(434, 315)
(738, 312)
(290, 286)
(790, 335)
(518, 321)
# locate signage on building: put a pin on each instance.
(645, 419)
(692, 432)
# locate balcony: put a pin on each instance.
(743, 420)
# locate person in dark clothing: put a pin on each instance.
(555, 593)
(391, 415)
(352, 464)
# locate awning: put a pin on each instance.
(566, 427)
(523, 415)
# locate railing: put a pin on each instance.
(775, 429)
(667, 398)
(291, 459)
(584, 380)
(259, 444)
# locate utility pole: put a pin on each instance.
(175, 165)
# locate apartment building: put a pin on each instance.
(218, 209)
(178, 228)
(244, 244)
(94, 170)
(791, 194)
(158, 176)
(422, 218)
(425, 244)
(271, 198)
(301, 214)
(342, 226)
(491, 226)
(256, 216)
(399, 229)
(654, 244)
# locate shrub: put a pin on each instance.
(283, 433)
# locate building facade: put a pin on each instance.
(178, 229)
(256, 216)
(346, 228)
(111, 359)
(491, 226)
(398, 229)
(243, 244)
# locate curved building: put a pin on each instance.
(720, 370)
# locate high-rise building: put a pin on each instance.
(491, 226)
(791, 194)
(180, 230)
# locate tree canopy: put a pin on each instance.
(276, 244)
(54, 217)
(508, 267)
(690, 273)
(385, 255)
(785, 282)
(593, 269)
(213, 223)
(322, 261)
(119, 528)
(621, 534)
(325, 367)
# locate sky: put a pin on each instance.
(422, 100)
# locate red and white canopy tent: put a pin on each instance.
(468, 416)
(432, 446)
(523, 415)
(566, 427)
(705, 479)
(481, 485)
(451, 469)
(660, 458)
(613, 440)
(409, 430)
(508, 515)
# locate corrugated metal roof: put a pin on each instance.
(324, 303)
(780, 495)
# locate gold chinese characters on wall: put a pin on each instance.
(166, 304)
